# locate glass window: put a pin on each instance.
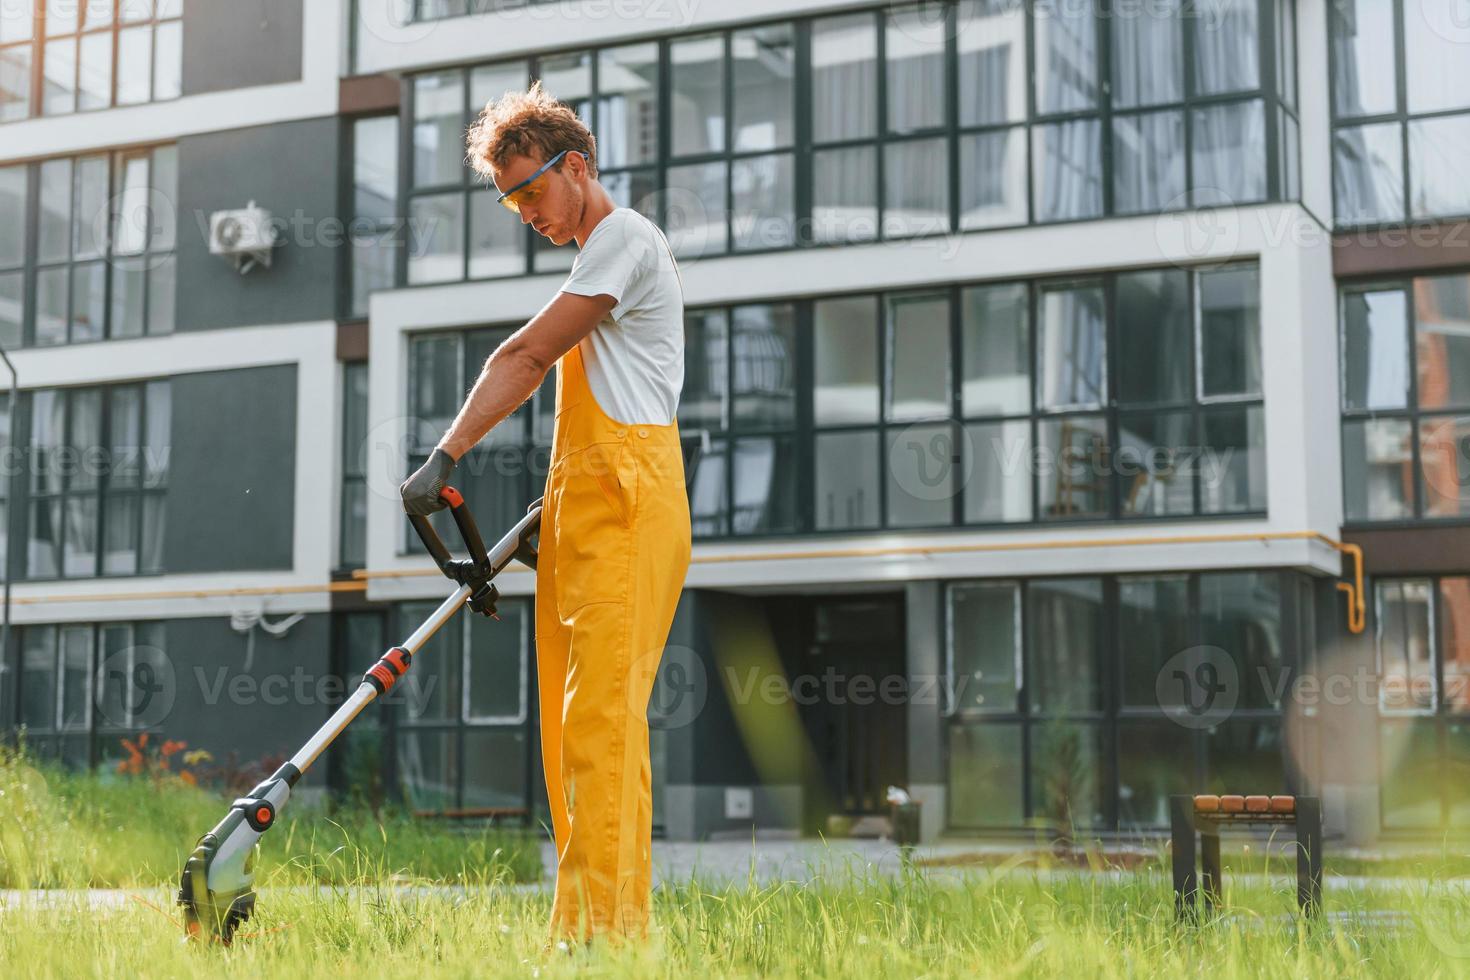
(1436, 70)
(1073, 467)
(627, 106)
(845, 361)
(1246, 752)
(1154, 337)
(1403, 613)
(1229, 152)
(993, 178)
(1066, 168)
(1155, 761)
(986, 768)
(1441, 345)
(698, 96)
(709, 497)
(921, 472)
(704, 401)
(1148, 162)
(1453, 600)
(1240, 613)
(38, 677)
(1377, 468)
(1444, 466)
(1064, 619)
(1071, 351)
(765, 485)
(846, 480)
(374, 206)
(1153, 626)
(763, 192)
(1412, 773)
(1226, 47)
(1156, 464)
(844, 78)
(764, 63)
(15, 81)
(495, 686)
(436, 249)
(569, 78)
(12, 215)
(997, 475)
(1368, 173)
(1437, 150)
(995, 350)
(1233, 466)
(494, 768)
(845, 194)
(1148, 54)
(915, 41)
(696, 213)
(917, 358)
(488, 82)
(985, 646)
(916, 188)
(438, 128)
(991, 43)
(1067, 776)
(1363, 78)
(1066, 56)
(1230, 332)
(763, 349)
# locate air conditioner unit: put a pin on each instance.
(244, 236)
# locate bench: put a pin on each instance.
(1195, 826)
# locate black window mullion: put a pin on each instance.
(958, 433)
(729, 148)
(805, 434)
(803, 167)
(884, 326)
(405, 178)
(952, 110)
(467, 183)
(1103, 39)
(1411, 319)
(880, 146)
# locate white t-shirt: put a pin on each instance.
(635, 356)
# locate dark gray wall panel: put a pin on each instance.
(239, 43)
(290, 169)
(265, 707)
(232, 471)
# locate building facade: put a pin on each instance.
(1072, 406)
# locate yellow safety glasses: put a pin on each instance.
(526, 191)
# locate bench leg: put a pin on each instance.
(1309, 854)
(1210, 869)
(1181, 824)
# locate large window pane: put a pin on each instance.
(993, 178)
(569, 78)
(1377, 470)
(497, 238)
(1363, 77)
(1153, 626)
(844, 78)
(704, 401)
(763, 191)
(495, 665)
(54, 226)
(709, 498)
(920, 470)
(1156, 464)
(917, 358)
(89, 224)
(846, 480)
(1444, 466)
(94, 89)
(88, 301)
(998, 473)
(1148, 54)
(1246, 753)
(1436, 70)
(427, 764)
(1148, 162)
(38, 677)
(1066, 55)
(915, 188)
(1074, 467)
(1441, 344)
(436, 226)
(52, 297)
(1453, 600)
(79, 554)
(845, 194)
(1403, 614)
(1240, 613)
(764, 62)
(15, 82)
(437, 384)
(916, 94)
(764, 353)
(1067, 776)
(1233, 461)
(134, 65)
(1154, 342)
(1155, 761)
(438, 128)
(1071, 355)
(845, 361)
(1230, 332)
(991, 41)
(494, 768)
(168, 60)
(1438, 149)
(985, 776)
(1066, 168)
(627, 105)
(698, 99)
(12, 215)
(12, 308)
(491, 82)
(1368, 173)
(696, 219)
(1229, 153)
(765, 485)
(985, 646)
(1226, 47)
(995, 350)
(59, 83)
(1064, 620)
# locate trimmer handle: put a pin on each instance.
(467, 530)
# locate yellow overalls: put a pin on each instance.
(613, 550)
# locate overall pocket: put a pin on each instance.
(596, 502)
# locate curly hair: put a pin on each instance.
(530, 123)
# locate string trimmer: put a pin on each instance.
(217, 886)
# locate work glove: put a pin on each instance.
(421, 490)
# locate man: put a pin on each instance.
(614, 540)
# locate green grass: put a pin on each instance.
(855, 926)
(76, 830)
